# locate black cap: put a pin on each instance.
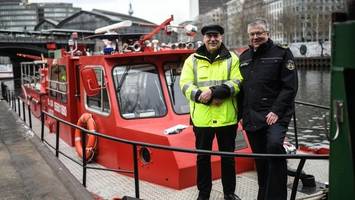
(212, 29)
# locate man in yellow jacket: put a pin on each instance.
(210, 80)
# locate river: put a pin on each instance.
(314, 87)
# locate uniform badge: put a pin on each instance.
(290, 65)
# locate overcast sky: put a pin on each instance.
(152, 10)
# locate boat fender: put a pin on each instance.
(86, 121)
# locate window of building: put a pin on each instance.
(99, 103)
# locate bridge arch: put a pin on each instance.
(11, 51)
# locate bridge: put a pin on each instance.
(35, 43)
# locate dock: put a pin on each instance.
(28, 168)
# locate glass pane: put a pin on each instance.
(139, 91)
(172, 75)
(53, 79)
(99, 102)
(37, 78)
(62, 79)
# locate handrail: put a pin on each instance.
(134, 144)
(312, 104)
(186, 150)
(295, 123)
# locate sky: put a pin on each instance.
(155, 11)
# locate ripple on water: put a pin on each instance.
(310, 136)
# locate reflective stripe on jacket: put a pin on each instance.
(198, 74)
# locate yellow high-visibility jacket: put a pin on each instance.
(199, 74)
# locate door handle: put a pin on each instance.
(338, 117)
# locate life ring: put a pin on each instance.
(86, 121)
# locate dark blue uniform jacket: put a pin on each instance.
(270, 85)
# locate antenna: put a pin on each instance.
(130, 11)
(112, 27)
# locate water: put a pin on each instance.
(314, 87)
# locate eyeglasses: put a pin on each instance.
(257, 34)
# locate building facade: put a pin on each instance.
(274, 13)
(55, 11)
(205, 6)
(20, 16)
(306, 21)
(234, 30)
(17, 16)
(290, 21)
(297, 21)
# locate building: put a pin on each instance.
(306, 21)
(14, 15)
(295, 21)
(205, 6)
(290, 21)
(54, 11)
(234, 29)
(46, 24)
(91, 20)
(274, 13)
(19, 15)
(215, 16)
(12, 1)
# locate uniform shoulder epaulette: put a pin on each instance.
(284, 46)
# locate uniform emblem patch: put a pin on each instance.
(290, 65)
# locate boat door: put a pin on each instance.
(61, 98)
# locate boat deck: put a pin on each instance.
(109, 185)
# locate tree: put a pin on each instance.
(242, 18)
(288, 24)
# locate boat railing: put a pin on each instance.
(135, 144)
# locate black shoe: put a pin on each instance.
(231, 197)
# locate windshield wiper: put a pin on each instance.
(171, 85)
(123, 78)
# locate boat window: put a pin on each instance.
(172, 76)
(139, 91)
(100, 102)
(30, 76)
(58, 83)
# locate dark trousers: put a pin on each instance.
(226, 142)
(272, 173)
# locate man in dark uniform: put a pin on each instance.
(267, 104)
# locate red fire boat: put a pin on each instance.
(130, 91)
